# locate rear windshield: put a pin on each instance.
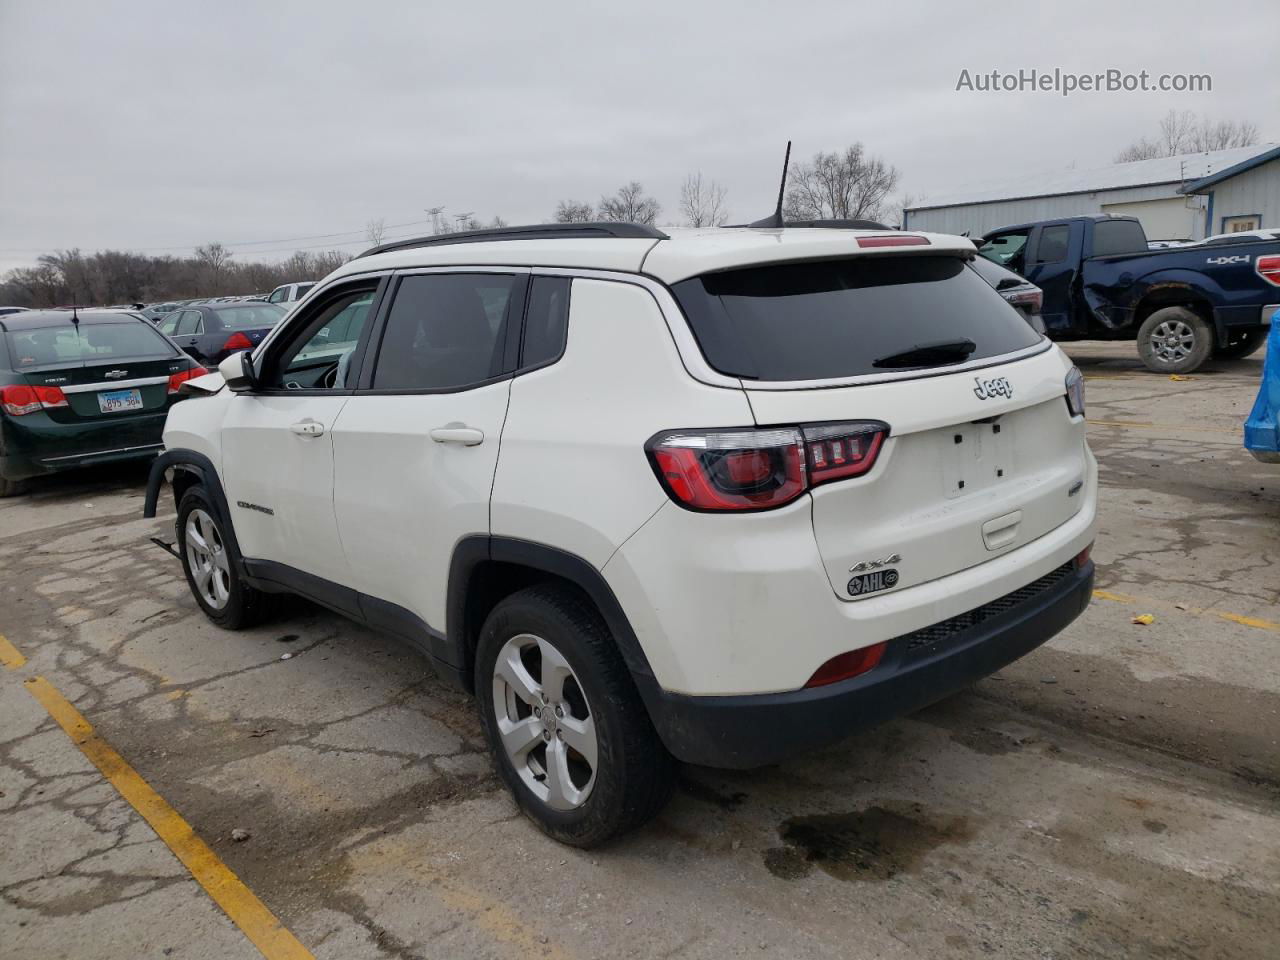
(833, 319)
(249, 318)
(1118, 236)
(86, 343)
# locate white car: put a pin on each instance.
(289, 292)
(721, 497)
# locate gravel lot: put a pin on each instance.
(1114, 794)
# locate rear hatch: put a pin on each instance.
(105, 370)
(982, 454)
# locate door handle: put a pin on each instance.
(458, 433)
(307, 428)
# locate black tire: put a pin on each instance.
(634, 775)
(1174, 340)
(11, 488)
(244, 606)
(1240, 345)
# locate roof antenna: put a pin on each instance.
(75, 317)
(774, 220)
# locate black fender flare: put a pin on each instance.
(193, 462)
(472, 551)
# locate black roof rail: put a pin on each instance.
(538, 231)
(840, 224)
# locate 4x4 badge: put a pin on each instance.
(876, 564)
(986, 389)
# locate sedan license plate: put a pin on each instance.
(117, 401)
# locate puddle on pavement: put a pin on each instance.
(873, 844)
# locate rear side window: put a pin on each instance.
(833, 319)
(249, 318)
(1118, 236)
(188, 322)
(546, 324)
(86, 343)
(445, 331)
(1053, 244)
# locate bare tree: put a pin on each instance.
(702, 202)
(1223, 135)
(574, 211)
(1186, 132)
(375, 230)
(118, 276)
(630, 205)
(846, 185)
(895, 212)
(497, 223)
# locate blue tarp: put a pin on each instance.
(1262, 429)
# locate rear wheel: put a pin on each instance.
(571, 736)
(211, 564)
(1174, 340)
(1240, 345)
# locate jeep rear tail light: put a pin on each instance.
(894, 240)
(730, 469)
(1269, 269)
(182, 376)
(846, 665)
(760, 468)
(20, 400)
(238, 341)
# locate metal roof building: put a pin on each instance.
(1187, 197)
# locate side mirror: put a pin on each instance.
(237, 370)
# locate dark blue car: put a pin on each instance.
(210, 332)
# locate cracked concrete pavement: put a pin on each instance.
(1114, 794)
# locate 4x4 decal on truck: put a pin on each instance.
(1223, 261)
(999, 387)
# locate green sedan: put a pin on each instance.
(79, 388)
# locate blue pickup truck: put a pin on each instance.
(1181, 304)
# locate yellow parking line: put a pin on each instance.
(1247, 621)
(1117, 597)
(227, 890)
(10, 655)
(1255, 622)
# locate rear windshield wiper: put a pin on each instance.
(929, 354)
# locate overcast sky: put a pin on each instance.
(144, 125)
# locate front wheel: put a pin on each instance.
(571, 736)
(1174, 340)
(210, 561)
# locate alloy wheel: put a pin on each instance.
(207, 558)
(547, 729)
(1172, 341)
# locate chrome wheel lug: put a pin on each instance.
(559, 711)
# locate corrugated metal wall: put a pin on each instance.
(979, 218)
(1254, 191)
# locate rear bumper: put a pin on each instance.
(34, 445)
(917, 669)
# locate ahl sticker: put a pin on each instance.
(873, 582)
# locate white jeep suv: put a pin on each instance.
(719, 497)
